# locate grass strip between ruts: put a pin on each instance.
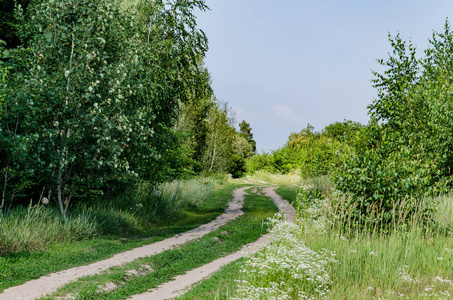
(222, 284)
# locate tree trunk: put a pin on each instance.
(59, 193)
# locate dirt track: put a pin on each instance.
(50, 283)
(181, 283)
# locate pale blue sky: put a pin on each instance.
(283, 64)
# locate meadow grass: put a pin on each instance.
(410, 261)
(293, 178)
(134, 229)
(227, 239)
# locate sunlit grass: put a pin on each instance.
(290, 178)
(411, 261)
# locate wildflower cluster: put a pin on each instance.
(316, 214)
(287, 268)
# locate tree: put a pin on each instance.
(93, 93)
(219, 140)
(192, 121)
(8, 23)
(342, 131)
(408, 146)
(246, 131)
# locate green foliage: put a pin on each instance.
(312, 153)
(93, 94)
(345, 131)
(409, 153)
(8, 23)
(219, 140)
(246, 132)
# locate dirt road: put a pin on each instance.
(48, 284)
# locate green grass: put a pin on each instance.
(245, 229)
(408, 263)
(378, 265)
(288, 192)
(280, 179)
(17, 268)
(37, 226)
(413, 262)
(221, 285)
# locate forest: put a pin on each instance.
(111, 138)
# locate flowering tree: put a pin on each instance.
(92, 93)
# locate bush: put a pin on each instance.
(314, 156)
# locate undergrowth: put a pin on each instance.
(34, 227)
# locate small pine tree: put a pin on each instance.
(246, 131)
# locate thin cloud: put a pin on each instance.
(285, 113)
(248, 115)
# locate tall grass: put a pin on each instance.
(34, 227)
(403, 259)
(145, 205)
(410, 260)
(290, 178)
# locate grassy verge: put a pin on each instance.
(19, 267)
(411, 263)
(164, 266)
(408, 263)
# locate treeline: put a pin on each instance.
(97, 95)
(309, 152)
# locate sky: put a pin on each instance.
(283, 64)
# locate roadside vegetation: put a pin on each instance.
(111, 138)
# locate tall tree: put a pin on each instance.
(93, 93)
(246, 131)
(219, 140)
(8, 23)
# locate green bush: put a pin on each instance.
(378, 184)
(405, 152)
(313, 156)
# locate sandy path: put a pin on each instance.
(50, 283)
(182, 283)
